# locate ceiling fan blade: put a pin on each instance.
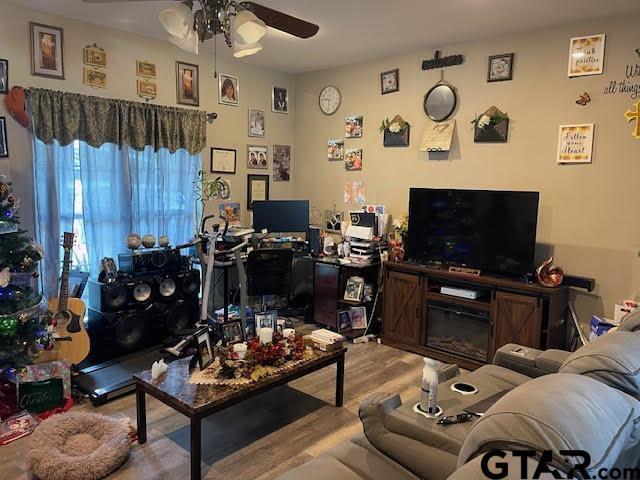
(282, 21)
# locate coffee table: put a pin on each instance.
(199, 401)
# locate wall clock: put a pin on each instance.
(329, 100)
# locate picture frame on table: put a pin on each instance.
(279, 100)
(390, 81)
(256, 123)
(232, 333)
(257, 157)
(47, 50)
(500, 67)
(228, 90)
(257, 189)
(4, 76)
(267, 319)
(205, 352)
(223, 160)
(354, 289)
(358, 318)
(344, 320)
(4, 145)
(187, 84)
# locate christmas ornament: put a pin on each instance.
(5, 277)
(8, 326)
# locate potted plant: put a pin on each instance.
(396, 132)
(491, 126)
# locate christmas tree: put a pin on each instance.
(23, 328)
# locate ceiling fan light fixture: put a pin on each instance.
(188, 44)
(177, 20)
(248, 28)
(245, 49)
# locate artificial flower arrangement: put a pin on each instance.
(398, 239)
(396, 125)
(481, 121)
(260, 359)
(491, 126)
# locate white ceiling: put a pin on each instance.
(358, 30)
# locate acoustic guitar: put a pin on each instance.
(71, 338)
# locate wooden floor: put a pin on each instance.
(262, 437)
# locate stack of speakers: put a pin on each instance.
(142, 307)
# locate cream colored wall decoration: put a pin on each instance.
(586, 55)
(575, 143)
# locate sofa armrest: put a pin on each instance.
(529, 361)
(422, 460)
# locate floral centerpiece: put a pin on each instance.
(396, 132)
(491, 126)
(398, 239)
(260, 360)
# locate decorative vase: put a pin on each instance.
(549, 275)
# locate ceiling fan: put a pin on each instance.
(243, 24)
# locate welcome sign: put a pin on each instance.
(575, 143)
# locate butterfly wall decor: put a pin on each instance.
(583, 99)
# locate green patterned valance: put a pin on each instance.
(67, 117)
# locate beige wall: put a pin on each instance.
(588, 213)
(123, 49)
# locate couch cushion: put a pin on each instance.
(630, 323)
(558, 412)
(613, 358)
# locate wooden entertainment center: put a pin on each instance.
(418, 318)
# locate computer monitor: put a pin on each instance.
(281, 215)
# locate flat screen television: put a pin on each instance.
(494, 231)
(280, 216)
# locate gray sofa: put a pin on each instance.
(588, 400)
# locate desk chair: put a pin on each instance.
(269, 272)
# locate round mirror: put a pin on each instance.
(440, 102)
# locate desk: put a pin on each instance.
(199, 401)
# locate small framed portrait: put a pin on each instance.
(187, 84)
(266, 320)
(335, 150)
(257, 157)
(95, 78)
(353, 159)
(223, 160)
(358, 318)
(205, 353)
(95, 56)
(390, 81)
(4, 146)
(279, 100)
(353, 126)
(500, 68)
(147, 88)
(344, 320)
(47, 51)
(145, 69)
(228, 90)
(354, 289)
(232, 333)
(281, 163)
(257, 189)
(256, 123)
(4, 76)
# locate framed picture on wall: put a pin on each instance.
(575, 143)
(390, 81)
(586, 55)
(223, 160)
(228, 90)
(257, 189)
(4, 76)
(47, 51)
(279, 100)
(187, 84)
(4, 146)
(147, 88)
(256, 123)
(95, 78)
(95, 56)
(500, 68)
(145, 69)
(281, 163)
(257, 157)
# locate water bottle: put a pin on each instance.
(429, 398)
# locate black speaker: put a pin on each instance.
(148, 261)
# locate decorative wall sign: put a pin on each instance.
(441, 62)
(629, 85)
(438, 137)
(47, 51)
(631, 115)
(145, 69)
(575, 143)
(583, 99)
(500, 68)
(586, 55)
